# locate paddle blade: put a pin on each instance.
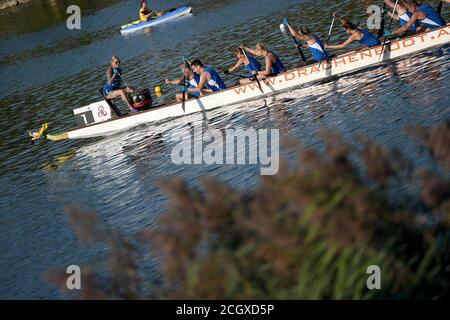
(282, 28)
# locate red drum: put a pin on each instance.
(141, 99)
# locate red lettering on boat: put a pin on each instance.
(405, 42)
(352, 58)
(289, 76)
(442, 32)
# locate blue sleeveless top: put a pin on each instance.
(115, 85)
(277, 67)
(253, 65)
(318, 50)
(433, 19)
(404, 19)
(193, 83)
(216, 83)
(368, 39)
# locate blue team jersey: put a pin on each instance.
(404, 19)
(318, 50)
(368, 39)
(433, 19)
(216, 83)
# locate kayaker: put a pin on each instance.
(112, 89)
(356, 33)
(424, 14)
(274, 66)
(188, 80)
(402, 15)
(315, 45)
(209, 78)
(248, 61)
(145, 13)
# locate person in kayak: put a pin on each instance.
(145, 13)
(248, 61)
(188, 80)
(402, 15)
(315, 45)
(209, 78)
(424, 14)
(356, 33)
(112, 89)
(274, 66)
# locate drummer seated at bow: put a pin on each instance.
(356, 33)
(274, 66)
(315, 45)
(249, 62)
(210, 81)
(145, 13)
(189, 79)
(402, 15)
(112, 89)
(424, 14)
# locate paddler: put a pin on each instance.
(356, 33)
(112, 89)
(315, 45)
(145, 13)
(274, 66)
(424, 14)
(209, 79)
(248, 61)
(188, 80)
(403, 15)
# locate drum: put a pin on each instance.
(141, 99)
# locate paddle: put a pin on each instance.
(383, 15)
(255, 76)
(297, 43)
(185, 86)
(328, 39)
(389, 28)
(160, 13)
(439, 8)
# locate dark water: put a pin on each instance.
(47, 70)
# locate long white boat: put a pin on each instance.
(102, 123)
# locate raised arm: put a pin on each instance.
(252, 51)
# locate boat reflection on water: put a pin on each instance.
(58, 161)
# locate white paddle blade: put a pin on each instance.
(282, 28)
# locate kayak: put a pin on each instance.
(163, 17)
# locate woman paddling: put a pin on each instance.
(424, 14)
(356, 33)
(248, 61)
(274, 66)
(402, 15)
(315, 45)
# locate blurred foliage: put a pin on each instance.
(309, 232)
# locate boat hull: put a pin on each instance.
(345, 63)
(182, 11)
